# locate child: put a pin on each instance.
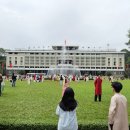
(66, 110)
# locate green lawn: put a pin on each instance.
(36, 103)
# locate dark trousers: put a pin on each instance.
(13, 83)
(99, 98)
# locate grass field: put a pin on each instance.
(36, 103)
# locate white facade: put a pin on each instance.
(86, 60)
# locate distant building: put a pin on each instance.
(88, 61)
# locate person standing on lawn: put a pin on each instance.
(98, 88)
(13, 80)
(66, 110)
(61, 80)
(118, 113)
(1, 79)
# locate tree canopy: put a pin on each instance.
(128, 43)
(2, 50)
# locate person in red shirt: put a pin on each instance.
(98, 88)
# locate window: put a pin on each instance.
(15, 60)
(21, 60)
(120, 61)
(108, 61)
(114, 61)
(10, 60)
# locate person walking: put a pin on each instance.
(98, 88)
(118, 113)
(66, 110)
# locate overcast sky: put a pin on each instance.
(43, 23)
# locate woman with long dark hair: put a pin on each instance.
(66, 110)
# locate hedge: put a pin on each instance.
(49, 127)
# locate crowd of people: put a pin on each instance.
(66, 109)
(117, 116)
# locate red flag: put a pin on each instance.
(10, 65)
(2, 65)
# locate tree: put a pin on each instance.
(127, 56)
(128, 43)
(21, 72)
(2, 61)
(108, 73)
(2, 51)
(127, 62)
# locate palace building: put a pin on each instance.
(86, 60)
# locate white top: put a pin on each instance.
(67, 119)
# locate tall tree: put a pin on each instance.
(128, 43)
(2, 61)
(2, 51)
(127, 56)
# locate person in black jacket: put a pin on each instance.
(13, 80)
(61, 80)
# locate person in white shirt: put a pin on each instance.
(29, 80)
(66, 110)
(118, 113)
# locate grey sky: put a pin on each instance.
(42, 23)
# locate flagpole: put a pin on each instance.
(65, 42)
